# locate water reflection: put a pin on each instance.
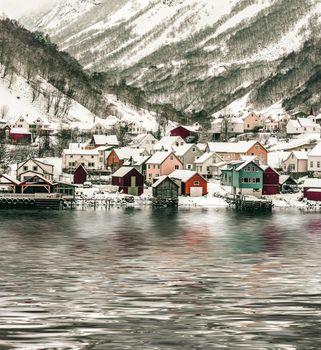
(159, 279)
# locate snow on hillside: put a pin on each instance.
(17, 100)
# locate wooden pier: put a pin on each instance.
(52, 201)
(251, 204)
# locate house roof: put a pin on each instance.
(136, 160)
(180, 151)
(39, 177)
(36, 161)
(162, 179)
(247, 162)
(105, 140)
(167, 142)
(311, 182)
(122, 171)
(84, 152)
(127, 152)
(231, 147)
(159, 157)
(316, 151)
(183, 175)
(20, 131)
(11, 179)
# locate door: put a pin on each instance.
(196, 191)
(133, 189)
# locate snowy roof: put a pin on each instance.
(122, 171)
(158, 157)
(181, 150)
(310, 182)
(136, 160)
(167, 142)
(231, 147)
(204, 157)
(161, 179)
(10, 179)
(20, 131)
(201, 146)
(127, 152)
(305, 122)
(105, 140)
(314, 190)
(84, 152)
(316, 151)
(301, 155)
(246, 162)
(76, 145)
(275, 159)
(183, 175)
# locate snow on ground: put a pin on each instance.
(128, 114)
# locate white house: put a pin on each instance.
(90, 159)
(145, 141)
(302, 126)
(166, 143)
(136, 128)
(32, 167)
(231, 126)
(314, 159)
(209, 165)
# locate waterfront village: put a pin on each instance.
(274, 158)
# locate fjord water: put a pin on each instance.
(160, 279)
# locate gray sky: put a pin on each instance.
(18, 8)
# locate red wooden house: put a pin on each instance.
(271, 181)
(186, 132)
(129, 180)
(80, 175)
(312, 189)
(19, 134)
(190, 182)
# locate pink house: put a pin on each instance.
(160, 164)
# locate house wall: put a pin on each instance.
(170, 164)
(296, 165)
(167, 189)
(270, 182)
(314, 163)
(313, 196)
(180, 131)
(80, 176)
(195, 181)
(113, 161)
(124, 183)
(19, 137)
(259, 151)
(251, 122)
(45, 170)
(88, 161)
(189, 158)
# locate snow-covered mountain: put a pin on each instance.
(197, 55)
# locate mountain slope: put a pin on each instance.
(196, 55)
(39, 80)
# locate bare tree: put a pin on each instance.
(4, 111)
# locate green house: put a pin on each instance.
(243, 176)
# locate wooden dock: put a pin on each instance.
(250, 204)
(53, 201)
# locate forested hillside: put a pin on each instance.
(194, 57)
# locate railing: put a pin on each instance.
(31, 196)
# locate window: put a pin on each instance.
(194, 149)
(25, 168)
(101, 160)
(81, 156)
(92, 157)
(196, 183)
(318, 164)
(35, 168)
(257, 147)
(258, 180)
(91, 164)
(172, 157)
(176, 167)
(71, 156)
(188, 166)
(311, 164)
